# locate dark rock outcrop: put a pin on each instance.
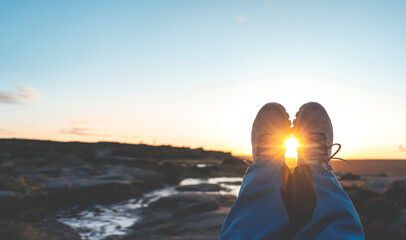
(203, 187)
(39, 177)
(197, 216)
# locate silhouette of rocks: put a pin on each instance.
(350, 176)
(230, 160)
(396, 192)
(40, 177)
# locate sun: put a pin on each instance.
(291, 152)
(291, 146)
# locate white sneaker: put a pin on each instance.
(314, 131)
(270, 130)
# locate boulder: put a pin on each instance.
(5, 194)
(49, 229)
(380, 210)
(401, 220)
(59, 230)
(232, 183)
(204, 206)
(183, 216)
(203, 187)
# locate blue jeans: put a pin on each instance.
(263, 211)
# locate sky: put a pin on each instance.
(195, 73)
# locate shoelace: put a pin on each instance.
(322, 145)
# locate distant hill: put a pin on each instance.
(362, 166)
(30, 149)
(372, 167)
(26, 148)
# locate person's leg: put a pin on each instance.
(326, 210)
(300, 197)
(259, 211)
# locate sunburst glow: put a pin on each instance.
(291, 146)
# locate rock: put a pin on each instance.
(230, 160)
(113, 176)
(175, 206)
(396, 192)
(177, 201)
(112, 237)
(4, 193)
(124, 160)
(183, 216)
(39, 177)
(49, 229)
(401, 220)
(7, 166)
(232, 183)
(79, 172)
(171, 171)
(380, 210)
(359, 197)
(39, 173)
(349, 176)
(204, 222)
(203, 187)
(226, 200)
(59, 184)
(200, 207)
(59, 230)
(201, 170)
(56, 193)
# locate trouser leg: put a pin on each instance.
(259, 211)
(321, 209)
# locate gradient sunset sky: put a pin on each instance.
(195, 73)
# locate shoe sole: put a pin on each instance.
(304, 108)
(276, 106)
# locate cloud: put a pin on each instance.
(402, 149)
(82, 132)
(6, 132)
(242, 18)
(21, 94)
(87, 121)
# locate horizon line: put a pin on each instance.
(235, 155)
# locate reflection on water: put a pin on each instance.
(109, 219)
(104, 220)
(232, 184)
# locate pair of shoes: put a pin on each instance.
(312, 128)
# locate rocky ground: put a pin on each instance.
(39, 178)
(183, 216)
